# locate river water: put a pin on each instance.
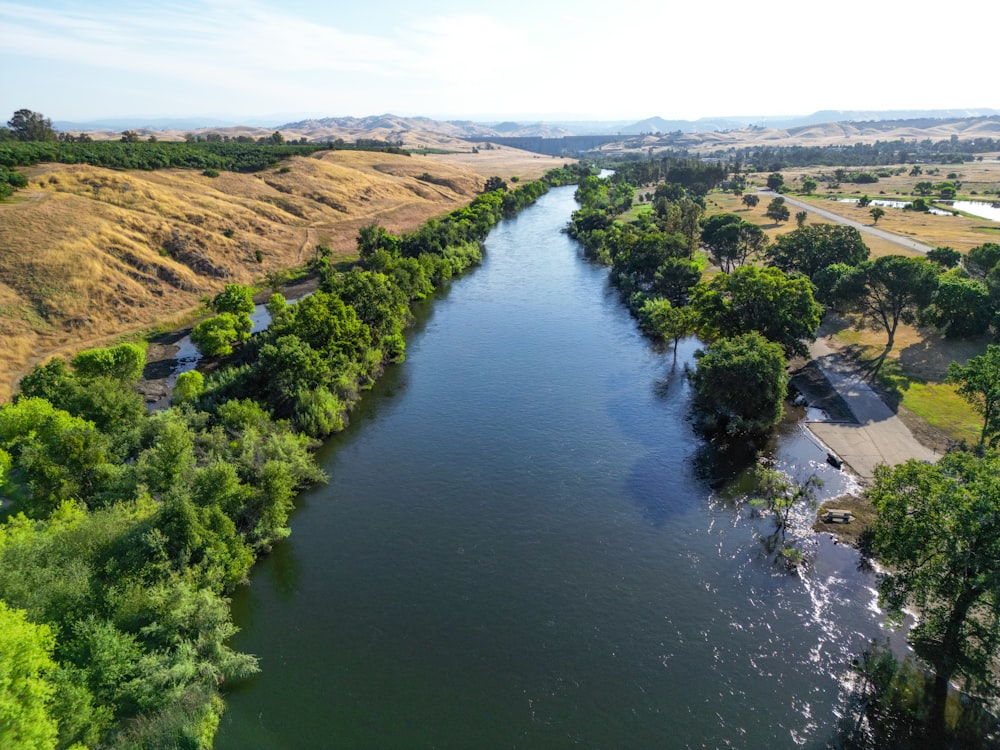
(520, 547)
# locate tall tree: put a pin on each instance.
(25, 691)
(887, 291)
(659, 318)
(980, 260)
(750, 200)
(877, 213)
(938, 533)
(978, 383)
(777, 210)
(960, 307)
(31, 126)
(732, 241)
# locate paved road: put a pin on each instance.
(879, 436)
(909, 244)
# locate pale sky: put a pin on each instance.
(513, 59)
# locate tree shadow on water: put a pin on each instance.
(661, 485)
(719, 464)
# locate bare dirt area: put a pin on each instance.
(90, 255)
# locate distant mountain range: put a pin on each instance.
(389, 126)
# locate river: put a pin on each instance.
(519, 547)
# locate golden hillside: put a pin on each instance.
(88, 254)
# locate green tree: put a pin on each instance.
(31, 126)
(877, 213)
(494, 183)
(777, 210)
(887, 291)
(766, 300)
(800, 218)
(775, 181)
(123, 363)
(960, 307)
(750, 200)
(776, 493)
(811, 249)
(946, 257)
(938, 534)
(739, 386)
(978, 383)
(732, 241)
(26, 692)
(675, 278)
(54, 456)
(216, 336)
(808, 186)
(660, 318)
(924, 188)
(189, 387)
(374, 238)
(235, 299)
(982, 259)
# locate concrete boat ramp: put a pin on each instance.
(877, 436)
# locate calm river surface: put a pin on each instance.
(517, 548)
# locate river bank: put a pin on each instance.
(521, 545)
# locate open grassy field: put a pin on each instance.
(88, 255)
(975, 180)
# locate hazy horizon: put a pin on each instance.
(560, 61)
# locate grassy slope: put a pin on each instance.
(88, 255)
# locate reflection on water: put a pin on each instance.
(894, 204)
(523, 544)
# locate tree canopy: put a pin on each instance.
(731, 241)
(888, 290)
(938, 533)
(810, 249)
(777, 210)
(26, 125)
(978, 383)
(739, 385)
(767, 300)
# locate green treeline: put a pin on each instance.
(880, 153)
(125, 531)
(231, 156)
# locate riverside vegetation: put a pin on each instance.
(938, 526)
(124, 531)
(148, 245)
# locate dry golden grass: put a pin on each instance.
(503, 162)
(88, 255)
(959, 232)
